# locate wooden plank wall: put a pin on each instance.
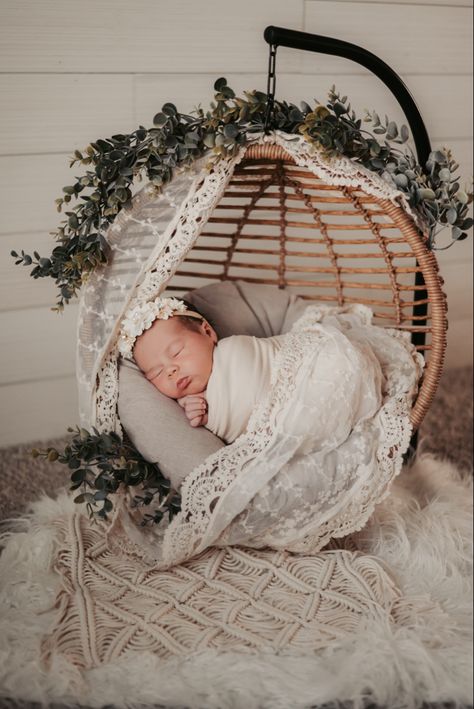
(73, 72)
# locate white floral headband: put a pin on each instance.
(142, 316)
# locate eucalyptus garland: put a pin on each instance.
(177, 140)
(101, 462)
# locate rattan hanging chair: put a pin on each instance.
(338, 235)
(280, 225)
(325, 232)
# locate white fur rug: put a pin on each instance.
(422, 535)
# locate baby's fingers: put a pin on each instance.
(194, 398)
(196, 421)
(195, 409)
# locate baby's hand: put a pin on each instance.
(195, 408)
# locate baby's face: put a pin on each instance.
(177, 361)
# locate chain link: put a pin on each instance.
(271, 83)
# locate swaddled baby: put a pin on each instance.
(217, 382)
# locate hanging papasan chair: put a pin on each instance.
(261, 587)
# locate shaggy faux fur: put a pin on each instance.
(423, 534)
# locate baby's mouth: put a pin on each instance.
(182, 383)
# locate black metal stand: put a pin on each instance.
(280, 36)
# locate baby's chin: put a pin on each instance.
(196, 386)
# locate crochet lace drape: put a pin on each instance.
(319, 452)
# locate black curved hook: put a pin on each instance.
(279, 36)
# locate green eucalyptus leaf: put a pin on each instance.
(295, 115)
(78, 476)
(462, 197)
(227, 92)
(426, 193)
(171, 141)
(401, 180)
(122, 194)
(160, 120)
(231, 130)
(220, 83)
(209, 140)
(377, 163)
(169, 109)
(392, 130)
(451, 215)
(437, 156)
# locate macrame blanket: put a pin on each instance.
(320, 449)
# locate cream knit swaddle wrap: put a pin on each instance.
(240, 376)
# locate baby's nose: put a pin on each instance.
(172, 370)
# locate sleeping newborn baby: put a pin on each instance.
(217, 382)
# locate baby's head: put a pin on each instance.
(176, 354)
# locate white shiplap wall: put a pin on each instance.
(73, 72)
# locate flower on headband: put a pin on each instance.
(142, 316)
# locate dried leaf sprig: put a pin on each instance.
(101, 462)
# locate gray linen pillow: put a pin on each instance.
(156, 424)
(240, 308)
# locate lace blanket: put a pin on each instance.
(319, 452)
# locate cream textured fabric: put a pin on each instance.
(241, 375)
